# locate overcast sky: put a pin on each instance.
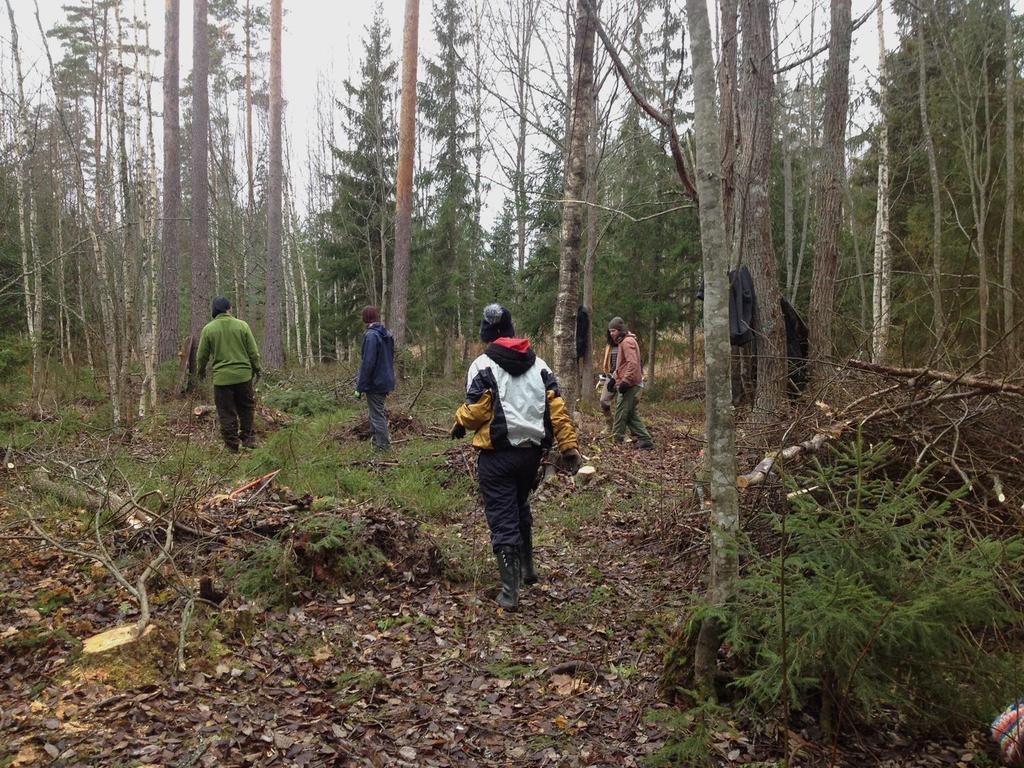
(324, 39)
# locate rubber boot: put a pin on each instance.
(526, 564)
(509, 570)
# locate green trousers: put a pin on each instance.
(626, 416)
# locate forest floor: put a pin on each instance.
(413, 667)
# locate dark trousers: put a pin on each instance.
(378, 421)
(506, 479)
(235, 406)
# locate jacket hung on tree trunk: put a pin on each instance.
(377, 369)
(232, 347)
(512, 400)
(628, 368)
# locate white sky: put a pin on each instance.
(323, 38)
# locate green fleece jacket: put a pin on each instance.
(231, 345)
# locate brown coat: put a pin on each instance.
(628, 368)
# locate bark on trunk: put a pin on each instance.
(273, 346)
(881, 295)
(567, 302)
(593, 218)
(938, 314)
(727, 86)
(200, 291)
(1011, 192)
(830, 189)
(403, 182)
(756, 226)
(720, 460)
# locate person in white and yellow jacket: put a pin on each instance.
(516, 411)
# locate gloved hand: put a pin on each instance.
(573, 460)
(256, 375)
(610, 385)
(622, 387)
(358, 394)
(458, 432)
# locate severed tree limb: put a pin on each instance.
(927, 374)
(660, 117)
(760, 473)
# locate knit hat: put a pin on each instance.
(220, 306)
(1008, 731)
(496, 323)
(618, 324)
(370, 314)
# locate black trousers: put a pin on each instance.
(506, 479)
(235, 406)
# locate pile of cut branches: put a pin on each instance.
(969, 428)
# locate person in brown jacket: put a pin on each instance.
(628, 381)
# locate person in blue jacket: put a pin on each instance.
(377, 374)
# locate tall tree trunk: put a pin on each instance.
(170, 269)
(273, 347)
(938, 314)
(1011, 191)
(756, 224)
(727, 87)
(881, 318)
(30, 259)
(403, 182)
(589, 266)
(200, 291)
(248, 243)
(720, 459)
(567, 302)
(830, 189)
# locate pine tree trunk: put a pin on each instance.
(567, 301)
(250, 203)
(273, 347)
(830, 190)
(720, 460)
(756, 224)
(1011, 193)
(200, 283)
(170, 259)
(881, 295)
(403, 183)
(938, 314)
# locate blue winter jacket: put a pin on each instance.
(377, 370)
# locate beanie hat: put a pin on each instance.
(618, 324)
(220, 306)
(496, 323)
(370, 314)
(1008, 732)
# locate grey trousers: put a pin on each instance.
(378, 421)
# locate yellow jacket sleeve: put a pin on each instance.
(561, 424)
(475, 415)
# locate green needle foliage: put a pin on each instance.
(878, 602)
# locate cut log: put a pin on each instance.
(202, 410)
(764, 468)
(114, 638)
(585, 475)
(87, 499)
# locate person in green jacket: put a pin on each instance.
(229, 343)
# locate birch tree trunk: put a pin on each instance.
(200, 291)
(273, 347)
(938, 314)
(31, 266)
(756, 224)
(567, 301)
(720, 459)
(881, 318)
(403, 182)
(830, 189)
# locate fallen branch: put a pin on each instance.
(927, 374)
